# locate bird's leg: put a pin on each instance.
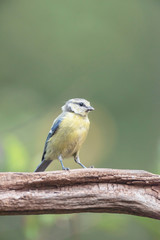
(77, 160)
(61, 161)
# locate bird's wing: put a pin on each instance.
(53, 130)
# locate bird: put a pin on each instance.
(68, 132)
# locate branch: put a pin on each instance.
(86, 190)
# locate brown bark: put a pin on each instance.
(81, 190)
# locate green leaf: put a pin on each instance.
(16, 154)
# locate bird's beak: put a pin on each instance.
(90, 109)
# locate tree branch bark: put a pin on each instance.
(81, 190)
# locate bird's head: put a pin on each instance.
(78, 106)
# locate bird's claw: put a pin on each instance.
(66, 168)
(91, 166)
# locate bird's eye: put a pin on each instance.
(81, 104)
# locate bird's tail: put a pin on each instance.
(43, 165)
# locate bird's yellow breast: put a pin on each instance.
(69, 137)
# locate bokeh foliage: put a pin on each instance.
(105, 51)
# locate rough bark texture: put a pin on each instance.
(81, 190)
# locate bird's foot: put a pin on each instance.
(66, 168)
(91, 166)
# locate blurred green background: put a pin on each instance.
(105, 51)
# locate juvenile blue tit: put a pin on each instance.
(67, 134)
